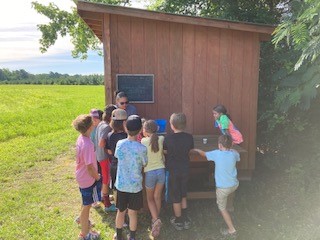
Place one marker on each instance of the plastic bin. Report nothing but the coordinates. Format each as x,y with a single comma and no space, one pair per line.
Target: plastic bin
162,123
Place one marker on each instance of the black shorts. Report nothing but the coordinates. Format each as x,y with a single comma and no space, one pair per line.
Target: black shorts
113,172
178,183
133,201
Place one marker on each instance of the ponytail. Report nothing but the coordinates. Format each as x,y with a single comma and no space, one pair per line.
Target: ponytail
151,127
154,143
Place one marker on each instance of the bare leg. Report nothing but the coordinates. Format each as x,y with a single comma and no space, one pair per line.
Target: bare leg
84,219
120,218
227,218
104,189
151,203
133,217
177,209
158,196
184,203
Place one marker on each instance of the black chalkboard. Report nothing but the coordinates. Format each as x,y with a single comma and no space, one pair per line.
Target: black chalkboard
138,87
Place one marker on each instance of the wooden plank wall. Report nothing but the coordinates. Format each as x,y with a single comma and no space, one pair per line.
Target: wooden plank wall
195,68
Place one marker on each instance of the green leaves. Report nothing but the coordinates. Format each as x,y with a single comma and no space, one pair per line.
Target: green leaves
63,23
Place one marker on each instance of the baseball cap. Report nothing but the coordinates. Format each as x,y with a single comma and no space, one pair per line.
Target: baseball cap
134,123
119,114
94,113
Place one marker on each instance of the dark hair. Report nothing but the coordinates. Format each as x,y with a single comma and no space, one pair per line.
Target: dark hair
117,125
120,95
133,133
151,127
108,112
178,120
221,109
225,141
100,112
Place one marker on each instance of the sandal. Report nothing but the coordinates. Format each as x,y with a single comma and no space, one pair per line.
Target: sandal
77,221
156,226
92,235
226,233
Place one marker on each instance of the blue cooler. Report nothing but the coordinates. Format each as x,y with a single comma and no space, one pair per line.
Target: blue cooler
162,123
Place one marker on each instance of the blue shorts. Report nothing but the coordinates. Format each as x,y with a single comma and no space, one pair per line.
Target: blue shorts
91,194
155,177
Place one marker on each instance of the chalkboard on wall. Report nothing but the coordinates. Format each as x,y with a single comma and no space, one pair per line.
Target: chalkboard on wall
138,87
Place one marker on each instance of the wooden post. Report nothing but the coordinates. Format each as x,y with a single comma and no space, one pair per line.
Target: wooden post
108,84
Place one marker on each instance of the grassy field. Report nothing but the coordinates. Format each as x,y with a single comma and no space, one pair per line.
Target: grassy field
39,198
36,175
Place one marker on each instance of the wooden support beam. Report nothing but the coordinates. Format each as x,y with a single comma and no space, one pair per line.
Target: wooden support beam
107,59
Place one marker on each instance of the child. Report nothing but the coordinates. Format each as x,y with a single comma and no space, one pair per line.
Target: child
103,129
117,133
225,176
177,147
140,136
132,157
96,115
223,122
86,174
154,172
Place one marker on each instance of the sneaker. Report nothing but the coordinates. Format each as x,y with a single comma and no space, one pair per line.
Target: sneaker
92,235
95,205
176,225
156,226
187,223
115,237
77,221
225,232
111,208
129,238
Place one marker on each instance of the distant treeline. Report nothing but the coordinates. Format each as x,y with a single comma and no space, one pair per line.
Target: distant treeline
23,77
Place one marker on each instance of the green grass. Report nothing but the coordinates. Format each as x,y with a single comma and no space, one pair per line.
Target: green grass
39,197
35,129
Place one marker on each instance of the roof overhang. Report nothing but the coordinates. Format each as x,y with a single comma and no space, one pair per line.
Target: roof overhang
92,14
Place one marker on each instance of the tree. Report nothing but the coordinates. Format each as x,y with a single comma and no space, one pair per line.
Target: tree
263,11
63,23
300,33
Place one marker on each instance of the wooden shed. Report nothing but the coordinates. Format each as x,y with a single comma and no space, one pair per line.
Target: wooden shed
197,63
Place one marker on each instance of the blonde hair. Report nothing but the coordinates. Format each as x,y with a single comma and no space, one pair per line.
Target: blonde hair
178,120
82,123
151,127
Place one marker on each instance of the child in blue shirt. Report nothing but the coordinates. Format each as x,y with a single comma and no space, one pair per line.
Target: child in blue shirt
225,160
132,157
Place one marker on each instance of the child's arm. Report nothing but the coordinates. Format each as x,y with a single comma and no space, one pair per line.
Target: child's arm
198,151
93,172
102,143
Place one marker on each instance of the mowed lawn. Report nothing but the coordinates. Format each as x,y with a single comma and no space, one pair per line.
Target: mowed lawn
39,196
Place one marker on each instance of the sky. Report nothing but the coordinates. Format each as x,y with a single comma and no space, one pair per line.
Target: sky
19,42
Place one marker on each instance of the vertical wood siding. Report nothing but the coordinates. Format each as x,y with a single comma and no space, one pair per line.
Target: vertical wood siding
195,68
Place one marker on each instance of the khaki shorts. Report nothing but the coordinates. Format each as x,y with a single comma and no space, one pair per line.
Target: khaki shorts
222,196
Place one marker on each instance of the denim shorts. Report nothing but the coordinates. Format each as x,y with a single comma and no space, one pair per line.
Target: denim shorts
91,194
154,177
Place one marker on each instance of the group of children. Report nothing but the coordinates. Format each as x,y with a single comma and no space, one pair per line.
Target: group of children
115,157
